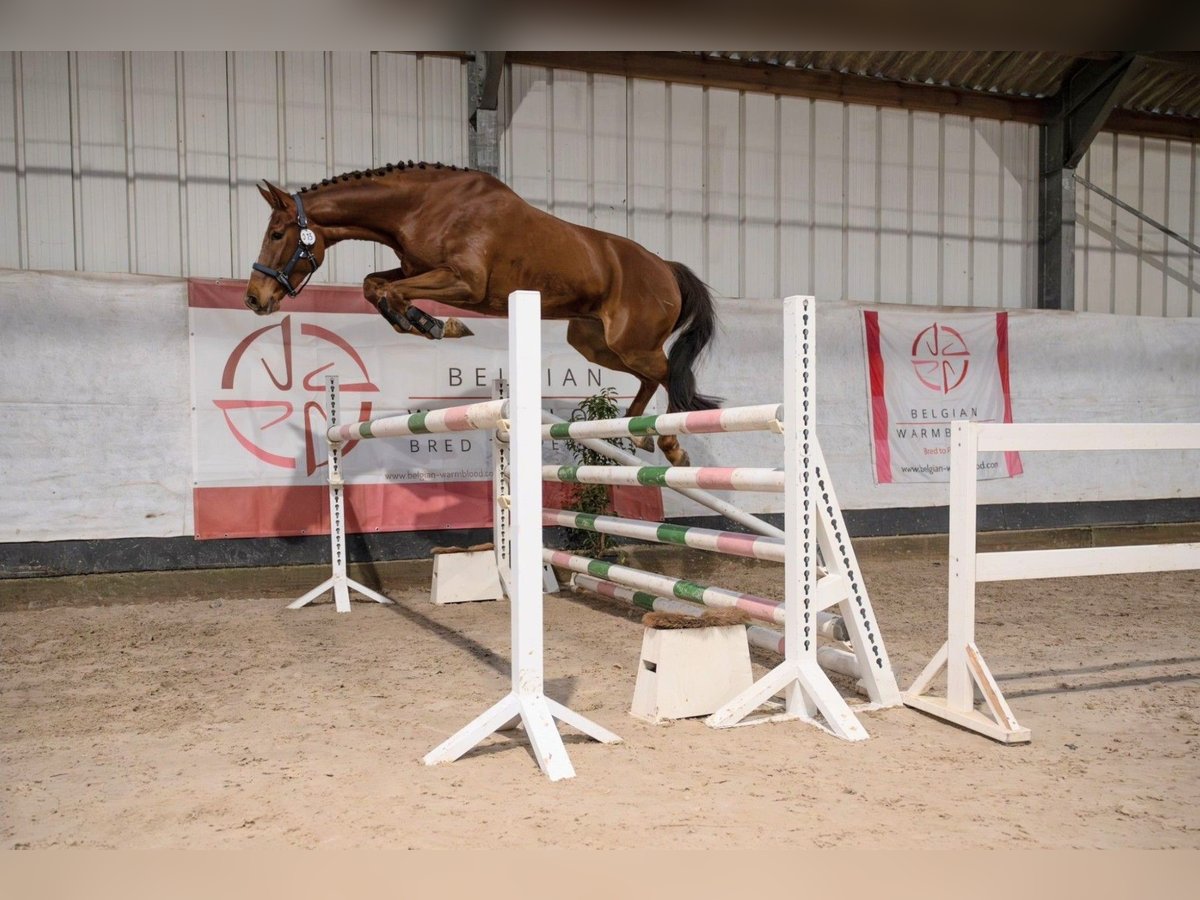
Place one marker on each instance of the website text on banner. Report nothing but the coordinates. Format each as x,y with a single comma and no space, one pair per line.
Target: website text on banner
926,369
259,417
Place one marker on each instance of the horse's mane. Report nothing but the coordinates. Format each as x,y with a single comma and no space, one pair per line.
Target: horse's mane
389,169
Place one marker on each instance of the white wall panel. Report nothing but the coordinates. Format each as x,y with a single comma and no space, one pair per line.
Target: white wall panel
609,155
99,96
925,242
255,89
1095,221
11,255
443,110
47,126
529,127
956,211
796,141
156,212
829,199
984,265
1018,203
308,150
760,197
1131,265
685,225
397,120
353,149
1180,196
146,162
862,203
1152,247
207,160
722,191
648,176
895,205
571,153
1127,182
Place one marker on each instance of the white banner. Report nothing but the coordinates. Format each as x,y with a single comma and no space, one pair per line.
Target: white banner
259,410
926,369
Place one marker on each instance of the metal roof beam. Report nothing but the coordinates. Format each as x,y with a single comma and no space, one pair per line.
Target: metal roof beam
1090,91
1079,110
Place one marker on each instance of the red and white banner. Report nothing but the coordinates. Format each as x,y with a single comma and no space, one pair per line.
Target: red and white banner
258,398
925,370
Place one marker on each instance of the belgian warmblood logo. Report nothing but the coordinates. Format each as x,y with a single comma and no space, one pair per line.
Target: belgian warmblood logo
940,358
276,446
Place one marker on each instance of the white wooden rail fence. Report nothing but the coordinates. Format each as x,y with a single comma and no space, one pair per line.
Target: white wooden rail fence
966,671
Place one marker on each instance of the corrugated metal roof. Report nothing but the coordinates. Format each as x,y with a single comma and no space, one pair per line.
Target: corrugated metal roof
1163,87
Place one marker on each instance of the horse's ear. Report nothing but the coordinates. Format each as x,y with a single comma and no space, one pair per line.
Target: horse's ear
276,197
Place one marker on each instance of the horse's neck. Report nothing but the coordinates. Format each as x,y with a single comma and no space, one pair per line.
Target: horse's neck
358,212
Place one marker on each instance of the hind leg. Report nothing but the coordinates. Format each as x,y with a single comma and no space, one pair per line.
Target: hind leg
587,336
649,364
651,367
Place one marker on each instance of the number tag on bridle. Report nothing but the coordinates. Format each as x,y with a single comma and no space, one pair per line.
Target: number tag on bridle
307,238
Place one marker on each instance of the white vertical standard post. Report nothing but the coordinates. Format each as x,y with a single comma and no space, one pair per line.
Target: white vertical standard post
340,583
965,668
526,699
501,494
806,688
964,492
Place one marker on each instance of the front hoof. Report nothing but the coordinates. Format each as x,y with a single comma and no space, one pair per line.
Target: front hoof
681,459
454,328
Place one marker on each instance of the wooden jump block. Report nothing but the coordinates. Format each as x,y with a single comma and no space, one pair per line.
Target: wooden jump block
465,577
690,671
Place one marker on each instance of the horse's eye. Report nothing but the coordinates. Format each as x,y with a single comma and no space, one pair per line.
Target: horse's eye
277,235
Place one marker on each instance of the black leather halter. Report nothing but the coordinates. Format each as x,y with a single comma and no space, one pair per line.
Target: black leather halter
304,245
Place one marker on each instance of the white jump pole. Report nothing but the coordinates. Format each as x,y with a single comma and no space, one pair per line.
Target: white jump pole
526,700
339,582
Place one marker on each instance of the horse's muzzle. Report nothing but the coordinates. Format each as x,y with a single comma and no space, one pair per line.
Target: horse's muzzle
253,303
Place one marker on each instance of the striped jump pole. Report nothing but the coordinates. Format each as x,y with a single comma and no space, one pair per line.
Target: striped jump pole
731,542
830,627
767,417
663,585
832,658
711,501
471,417
716,478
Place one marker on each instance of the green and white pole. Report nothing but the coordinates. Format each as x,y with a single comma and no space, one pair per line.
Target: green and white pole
730,542
713,478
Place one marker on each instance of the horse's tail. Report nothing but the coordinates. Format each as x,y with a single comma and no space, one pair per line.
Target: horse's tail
698,322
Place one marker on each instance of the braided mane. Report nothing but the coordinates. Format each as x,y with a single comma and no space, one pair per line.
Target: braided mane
389,169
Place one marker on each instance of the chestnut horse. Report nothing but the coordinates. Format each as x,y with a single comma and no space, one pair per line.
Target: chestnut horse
467,240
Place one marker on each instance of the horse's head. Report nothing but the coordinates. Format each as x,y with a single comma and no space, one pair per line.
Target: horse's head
292,249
